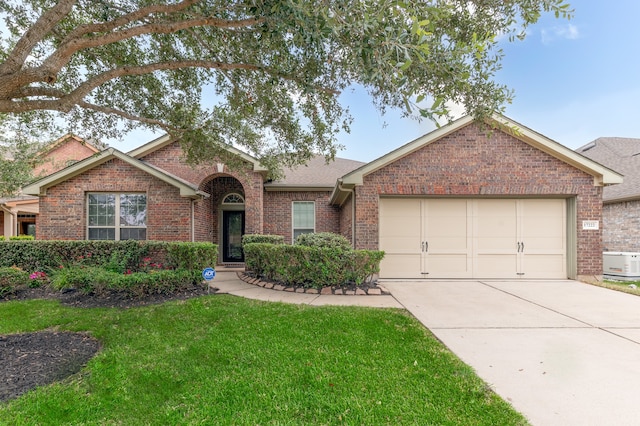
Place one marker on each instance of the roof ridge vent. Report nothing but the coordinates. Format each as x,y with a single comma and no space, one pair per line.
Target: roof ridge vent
588,146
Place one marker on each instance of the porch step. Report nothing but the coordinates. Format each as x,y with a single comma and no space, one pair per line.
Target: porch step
230,267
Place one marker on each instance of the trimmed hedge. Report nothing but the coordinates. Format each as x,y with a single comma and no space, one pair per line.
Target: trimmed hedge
94,280
116,256
262,238
311,266
324,239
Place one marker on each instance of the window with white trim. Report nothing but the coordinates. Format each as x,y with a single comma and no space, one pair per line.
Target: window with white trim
116,216
303,218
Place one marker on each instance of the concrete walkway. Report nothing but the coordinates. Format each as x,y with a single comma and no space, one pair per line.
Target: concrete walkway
229,283
562,352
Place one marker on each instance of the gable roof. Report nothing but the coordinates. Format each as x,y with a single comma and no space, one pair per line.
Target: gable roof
64,139
165,140
40,187
317,173
601,174
622,155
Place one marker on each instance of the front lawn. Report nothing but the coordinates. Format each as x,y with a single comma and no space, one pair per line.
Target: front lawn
631,287
226,360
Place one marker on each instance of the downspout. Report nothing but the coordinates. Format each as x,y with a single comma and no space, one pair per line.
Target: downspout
353,212
193,216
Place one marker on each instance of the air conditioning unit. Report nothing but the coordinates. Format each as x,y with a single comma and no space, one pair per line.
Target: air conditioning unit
621,265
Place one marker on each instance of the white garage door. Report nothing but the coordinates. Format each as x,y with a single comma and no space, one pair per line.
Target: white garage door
473,238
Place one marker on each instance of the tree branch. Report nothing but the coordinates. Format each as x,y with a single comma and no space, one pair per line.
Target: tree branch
127,116
60,57
34,35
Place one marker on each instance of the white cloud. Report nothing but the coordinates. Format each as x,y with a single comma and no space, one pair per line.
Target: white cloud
567,32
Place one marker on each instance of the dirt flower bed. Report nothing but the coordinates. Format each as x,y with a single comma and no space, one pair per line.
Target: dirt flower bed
29,360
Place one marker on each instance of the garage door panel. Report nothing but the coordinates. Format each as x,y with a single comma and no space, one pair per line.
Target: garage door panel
544,266
540,243
496,266
400,266
400,244
449,266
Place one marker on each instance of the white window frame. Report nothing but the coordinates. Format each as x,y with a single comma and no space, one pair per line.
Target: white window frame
293,224
117,227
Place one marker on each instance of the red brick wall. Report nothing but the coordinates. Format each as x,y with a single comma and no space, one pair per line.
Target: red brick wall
277,212
471,163
170,159
346,219
621,226
63,208
57,159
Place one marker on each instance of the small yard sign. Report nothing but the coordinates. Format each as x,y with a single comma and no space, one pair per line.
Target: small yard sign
590,224
208,274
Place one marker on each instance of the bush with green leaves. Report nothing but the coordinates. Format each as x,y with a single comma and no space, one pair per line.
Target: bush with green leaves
21,238
262,238
117,256
311,266
324,240
191,256
11,279
94,280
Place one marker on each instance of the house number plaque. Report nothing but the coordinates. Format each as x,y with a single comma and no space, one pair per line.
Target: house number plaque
590,224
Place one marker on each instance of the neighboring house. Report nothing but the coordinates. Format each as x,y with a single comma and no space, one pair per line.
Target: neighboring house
621,209
465,201
18,215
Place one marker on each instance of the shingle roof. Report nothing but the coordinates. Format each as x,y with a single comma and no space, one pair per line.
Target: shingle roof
316,173
621,155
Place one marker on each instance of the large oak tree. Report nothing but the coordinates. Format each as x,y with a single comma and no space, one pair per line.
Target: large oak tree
262,75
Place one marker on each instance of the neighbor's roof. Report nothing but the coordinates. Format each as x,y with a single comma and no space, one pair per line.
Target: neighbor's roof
64,139
39,187
622,155
317,173
601,174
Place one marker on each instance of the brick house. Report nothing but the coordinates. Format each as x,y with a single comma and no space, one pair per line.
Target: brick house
18,214
464,201
621,203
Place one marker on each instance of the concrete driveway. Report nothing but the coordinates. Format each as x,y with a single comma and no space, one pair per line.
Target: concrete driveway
562,352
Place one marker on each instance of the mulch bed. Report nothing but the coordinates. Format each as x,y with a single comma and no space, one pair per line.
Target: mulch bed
29,360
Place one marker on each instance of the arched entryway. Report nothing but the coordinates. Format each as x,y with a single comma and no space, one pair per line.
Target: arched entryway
221,217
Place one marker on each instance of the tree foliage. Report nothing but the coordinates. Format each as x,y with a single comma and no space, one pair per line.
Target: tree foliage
262,75
17,160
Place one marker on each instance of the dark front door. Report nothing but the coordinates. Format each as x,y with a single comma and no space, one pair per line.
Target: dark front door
232,231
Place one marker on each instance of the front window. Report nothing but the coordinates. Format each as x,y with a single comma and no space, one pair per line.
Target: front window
304,218
117,216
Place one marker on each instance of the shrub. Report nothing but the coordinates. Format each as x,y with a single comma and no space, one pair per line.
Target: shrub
21,238
311,266
95,280
324,240
260,238
191,256
117,256
11,279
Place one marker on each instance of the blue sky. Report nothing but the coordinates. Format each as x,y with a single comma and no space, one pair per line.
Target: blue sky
574,81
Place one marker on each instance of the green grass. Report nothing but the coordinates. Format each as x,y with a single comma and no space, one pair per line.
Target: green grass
621,286
230,361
